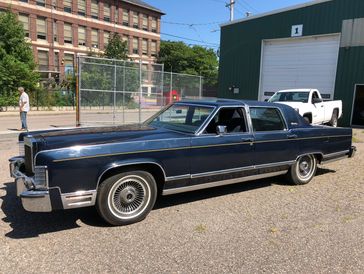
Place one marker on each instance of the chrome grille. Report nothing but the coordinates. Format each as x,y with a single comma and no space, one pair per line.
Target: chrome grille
28,159
21,149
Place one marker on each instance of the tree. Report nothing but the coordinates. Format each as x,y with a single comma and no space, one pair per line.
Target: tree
116,48
16,60
195,60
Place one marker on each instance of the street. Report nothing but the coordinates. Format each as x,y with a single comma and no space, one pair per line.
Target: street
252,227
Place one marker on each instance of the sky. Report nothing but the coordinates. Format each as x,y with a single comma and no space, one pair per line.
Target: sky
198,20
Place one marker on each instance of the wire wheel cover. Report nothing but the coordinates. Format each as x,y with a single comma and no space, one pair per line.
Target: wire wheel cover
306,167
129,197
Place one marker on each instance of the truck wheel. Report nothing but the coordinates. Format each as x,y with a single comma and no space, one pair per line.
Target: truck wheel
333,121
303,170
127,197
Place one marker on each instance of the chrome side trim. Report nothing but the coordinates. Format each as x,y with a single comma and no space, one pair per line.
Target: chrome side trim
221,183
179,177
129,164
78,199
333,157
225,171
340,153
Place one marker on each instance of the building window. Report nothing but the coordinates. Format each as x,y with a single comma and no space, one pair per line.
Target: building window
40,3
55,32
145,22
24,19
56,61
81,6
42,60
145,47
153,48
24,1
126,40
107,12
81,36
125,17
68,63
106,38
116,15
135,20
94,38
154,24
68,33
67,6
41,28
135,45
95,9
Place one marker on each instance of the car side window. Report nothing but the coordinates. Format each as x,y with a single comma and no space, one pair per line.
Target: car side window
233,118
314,96
266,119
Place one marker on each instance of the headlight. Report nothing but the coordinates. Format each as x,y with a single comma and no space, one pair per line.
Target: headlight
40,177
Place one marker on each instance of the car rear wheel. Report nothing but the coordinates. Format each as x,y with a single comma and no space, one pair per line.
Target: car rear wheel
127,197
333,121
303,170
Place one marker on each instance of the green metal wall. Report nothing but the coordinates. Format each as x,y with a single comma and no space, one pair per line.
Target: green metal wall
240,52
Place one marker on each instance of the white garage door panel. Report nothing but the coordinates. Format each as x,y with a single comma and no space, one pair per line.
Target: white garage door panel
299,63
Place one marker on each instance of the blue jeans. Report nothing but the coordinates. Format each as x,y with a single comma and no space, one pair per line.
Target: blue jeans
23,118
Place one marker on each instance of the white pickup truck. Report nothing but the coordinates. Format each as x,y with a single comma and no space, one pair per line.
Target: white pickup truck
309,103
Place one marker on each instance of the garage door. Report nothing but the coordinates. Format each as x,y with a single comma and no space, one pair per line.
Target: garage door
299,63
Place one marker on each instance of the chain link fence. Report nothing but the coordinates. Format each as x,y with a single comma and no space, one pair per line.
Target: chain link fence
123,92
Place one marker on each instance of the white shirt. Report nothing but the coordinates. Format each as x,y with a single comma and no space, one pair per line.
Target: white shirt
24,98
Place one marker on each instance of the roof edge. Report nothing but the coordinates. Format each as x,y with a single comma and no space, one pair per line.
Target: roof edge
145,7
298,6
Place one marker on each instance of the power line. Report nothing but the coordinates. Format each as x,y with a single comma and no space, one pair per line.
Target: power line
193,24
193,40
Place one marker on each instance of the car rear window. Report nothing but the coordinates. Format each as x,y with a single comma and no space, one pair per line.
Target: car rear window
266,119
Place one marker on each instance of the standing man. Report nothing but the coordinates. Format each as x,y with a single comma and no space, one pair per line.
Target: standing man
23,108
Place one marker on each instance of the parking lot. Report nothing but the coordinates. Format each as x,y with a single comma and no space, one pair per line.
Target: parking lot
259,226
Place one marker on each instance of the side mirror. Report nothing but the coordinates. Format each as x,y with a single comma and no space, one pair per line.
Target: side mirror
316,100
221,130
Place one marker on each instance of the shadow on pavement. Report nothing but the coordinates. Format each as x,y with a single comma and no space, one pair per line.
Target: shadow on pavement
27,225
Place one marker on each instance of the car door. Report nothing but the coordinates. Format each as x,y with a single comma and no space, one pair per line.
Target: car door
216,157
318,115
274,143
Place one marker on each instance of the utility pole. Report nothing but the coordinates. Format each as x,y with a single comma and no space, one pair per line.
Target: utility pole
231,7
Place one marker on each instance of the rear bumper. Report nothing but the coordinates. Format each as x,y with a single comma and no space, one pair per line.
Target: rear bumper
352,151
33,200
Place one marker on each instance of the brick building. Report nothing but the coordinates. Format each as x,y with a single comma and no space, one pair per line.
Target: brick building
58,30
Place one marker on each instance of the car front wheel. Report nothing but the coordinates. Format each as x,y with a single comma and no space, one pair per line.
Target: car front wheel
127,197
303,170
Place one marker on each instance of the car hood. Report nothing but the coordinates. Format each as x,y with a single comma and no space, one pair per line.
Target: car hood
100,135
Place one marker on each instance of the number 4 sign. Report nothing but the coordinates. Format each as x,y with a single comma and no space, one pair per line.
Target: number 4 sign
297,30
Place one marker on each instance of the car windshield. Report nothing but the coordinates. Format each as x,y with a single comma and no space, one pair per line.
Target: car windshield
291,96
184,118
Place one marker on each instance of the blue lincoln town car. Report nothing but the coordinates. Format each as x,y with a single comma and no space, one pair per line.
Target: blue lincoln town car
186,146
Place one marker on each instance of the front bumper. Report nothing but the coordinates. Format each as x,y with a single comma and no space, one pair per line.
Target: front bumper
32,199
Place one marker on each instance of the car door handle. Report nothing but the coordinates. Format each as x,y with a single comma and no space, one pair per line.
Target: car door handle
247,140
292,136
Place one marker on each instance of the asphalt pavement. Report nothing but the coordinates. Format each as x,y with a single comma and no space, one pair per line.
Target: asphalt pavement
252,227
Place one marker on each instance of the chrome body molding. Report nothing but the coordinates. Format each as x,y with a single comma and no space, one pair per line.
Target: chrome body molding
78,199
221,183
179,177
333,157
113,166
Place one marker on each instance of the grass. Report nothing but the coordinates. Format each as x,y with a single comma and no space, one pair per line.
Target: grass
201,228
356,140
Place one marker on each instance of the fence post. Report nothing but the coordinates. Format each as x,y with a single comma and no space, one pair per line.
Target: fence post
78,122
124,94
140,91
162,80
200,91
114,108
